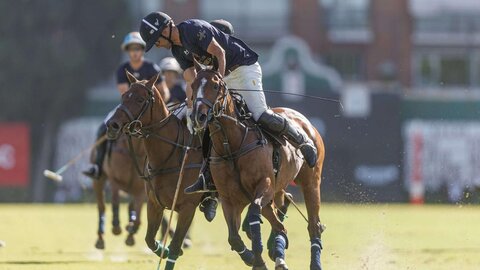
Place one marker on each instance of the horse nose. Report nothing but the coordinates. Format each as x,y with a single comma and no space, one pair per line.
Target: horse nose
113,129
113,125
202,117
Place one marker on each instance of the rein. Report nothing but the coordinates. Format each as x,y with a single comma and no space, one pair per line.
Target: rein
136,129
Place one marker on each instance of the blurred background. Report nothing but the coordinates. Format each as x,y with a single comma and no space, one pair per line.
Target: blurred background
406,71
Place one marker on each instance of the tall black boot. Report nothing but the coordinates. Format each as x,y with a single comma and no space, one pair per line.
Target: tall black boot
95,171
204,182
280,126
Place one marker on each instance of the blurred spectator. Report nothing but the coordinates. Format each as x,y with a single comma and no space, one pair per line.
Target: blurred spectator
172,72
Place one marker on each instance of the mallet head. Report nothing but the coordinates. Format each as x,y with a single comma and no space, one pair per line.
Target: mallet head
53,175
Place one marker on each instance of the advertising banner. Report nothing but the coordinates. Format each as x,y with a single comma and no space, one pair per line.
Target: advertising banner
441,155
14,155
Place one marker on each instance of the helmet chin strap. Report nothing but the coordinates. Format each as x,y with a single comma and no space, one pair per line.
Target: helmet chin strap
169,38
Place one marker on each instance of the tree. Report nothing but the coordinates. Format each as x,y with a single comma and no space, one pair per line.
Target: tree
51,52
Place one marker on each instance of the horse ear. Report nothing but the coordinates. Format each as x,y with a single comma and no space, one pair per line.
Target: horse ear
197,65
152,81
130,77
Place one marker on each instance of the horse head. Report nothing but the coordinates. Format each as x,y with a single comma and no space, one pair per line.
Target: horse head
132,112
209,96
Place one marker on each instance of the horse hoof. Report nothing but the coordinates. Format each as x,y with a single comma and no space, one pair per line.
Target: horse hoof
263,267
187,243
100,244
130,241
117,230
280,264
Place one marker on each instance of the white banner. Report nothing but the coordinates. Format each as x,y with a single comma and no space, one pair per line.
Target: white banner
441,154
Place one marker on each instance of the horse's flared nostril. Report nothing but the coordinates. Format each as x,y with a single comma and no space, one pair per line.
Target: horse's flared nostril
202,118
113,125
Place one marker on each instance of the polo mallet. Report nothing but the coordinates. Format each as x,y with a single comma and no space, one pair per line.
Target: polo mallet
174,203
57,175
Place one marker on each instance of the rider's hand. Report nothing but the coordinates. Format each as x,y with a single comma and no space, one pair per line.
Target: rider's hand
189,120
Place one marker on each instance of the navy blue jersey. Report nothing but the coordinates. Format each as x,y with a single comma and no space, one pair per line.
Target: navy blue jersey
145,72
196,35
183,56
177,93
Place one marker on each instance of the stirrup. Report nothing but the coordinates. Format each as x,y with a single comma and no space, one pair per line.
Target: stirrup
200,186
93,172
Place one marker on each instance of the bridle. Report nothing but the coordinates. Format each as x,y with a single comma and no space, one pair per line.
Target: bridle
216,109
135,126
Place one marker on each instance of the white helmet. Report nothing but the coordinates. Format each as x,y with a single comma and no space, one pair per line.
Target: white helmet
170,64
132,38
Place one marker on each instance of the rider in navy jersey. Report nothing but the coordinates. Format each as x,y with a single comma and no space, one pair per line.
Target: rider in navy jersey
142,69
238,65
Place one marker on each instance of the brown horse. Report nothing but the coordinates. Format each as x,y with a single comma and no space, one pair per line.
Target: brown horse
243,171
119,170
143,113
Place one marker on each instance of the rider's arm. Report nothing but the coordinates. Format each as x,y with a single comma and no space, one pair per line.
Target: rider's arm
189,75
122,88
216,50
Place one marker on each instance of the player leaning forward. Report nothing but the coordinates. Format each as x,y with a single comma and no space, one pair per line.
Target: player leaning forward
236,62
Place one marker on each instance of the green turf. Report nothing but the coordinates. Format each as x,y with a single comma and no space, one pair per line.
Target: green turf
357,237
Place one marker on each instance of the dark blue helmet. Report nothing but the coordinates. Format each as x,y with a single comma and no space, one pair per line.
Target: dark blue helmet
152,26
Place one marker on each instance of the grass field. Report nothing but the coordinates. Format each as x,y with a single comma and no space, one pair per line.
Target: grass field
357,237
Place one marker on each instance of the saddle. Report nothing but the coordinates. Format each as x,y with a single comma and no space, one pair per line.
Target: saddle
245,116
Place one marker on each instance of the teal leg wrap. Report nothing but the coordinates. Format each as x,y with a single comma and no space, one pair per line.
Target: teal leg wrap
171,260
159,249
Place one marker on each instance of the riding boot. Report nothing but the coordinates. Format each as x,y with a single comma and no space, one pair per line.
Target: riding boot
204,182
280,126
95,171
209,206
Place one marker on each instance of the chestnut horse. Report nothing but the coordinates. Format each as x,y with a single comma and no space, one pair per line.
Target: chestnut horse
118,168
143,113
243,171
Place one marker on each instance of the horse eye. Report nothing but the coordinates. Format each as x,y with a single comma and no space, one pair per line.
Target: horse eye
139,100
216,86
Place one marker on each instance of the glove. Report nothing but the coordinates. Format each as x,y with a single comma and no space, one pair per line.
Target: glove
189,120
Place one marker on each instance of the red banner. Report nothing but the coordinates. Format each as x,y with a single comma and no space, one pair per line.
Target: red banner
14,155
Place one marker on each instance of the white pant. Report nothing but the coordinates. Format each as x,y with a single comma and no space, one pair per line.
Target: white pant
249,78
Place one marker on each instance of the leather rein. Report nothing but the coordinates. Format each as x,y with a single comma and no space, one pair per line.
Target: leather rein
135,128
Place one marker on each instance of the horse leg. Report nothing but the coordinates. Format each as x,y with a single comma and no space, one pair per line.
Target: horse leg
280,240
185,217
116,229
98,187
134,212
233,218
283,203
164,228
154,219
254,219
311,193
